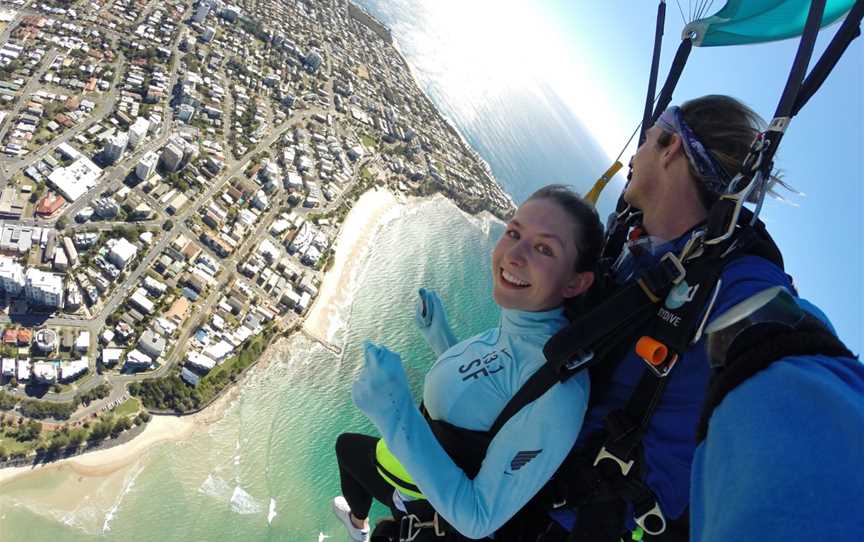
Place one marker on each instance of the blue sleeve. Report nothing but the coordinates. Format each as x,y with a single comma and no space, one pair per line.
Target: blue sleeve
782,460
745,277
523,456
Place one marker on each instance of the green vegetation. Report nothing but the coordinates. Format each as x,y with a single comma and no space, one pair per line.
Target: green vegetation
368,141
129,407
171,393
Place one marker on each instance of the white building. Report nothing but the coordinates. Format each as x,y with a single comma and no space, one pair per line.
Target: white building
44,289
23,370
11,276
115,146
45,372
8,367
71,251
137,360
82,343
138,131
122,252
73,369
140,301
147,165
76,179
199,361
110,356
260,200
172,156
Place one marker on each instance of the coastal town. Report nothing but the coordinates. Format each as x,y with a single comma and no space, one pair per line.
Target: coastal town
173,177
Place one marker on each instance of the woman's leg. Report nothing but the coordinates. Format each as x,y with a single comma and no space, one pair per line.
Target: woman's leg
361,482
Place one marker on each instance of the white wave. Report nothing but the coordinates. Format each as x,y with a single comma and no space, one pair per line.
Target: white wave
215,487
272,513
128,484
244,503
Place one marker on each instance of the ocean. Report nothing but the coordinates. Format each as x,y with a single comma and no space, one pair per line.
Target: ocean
267,471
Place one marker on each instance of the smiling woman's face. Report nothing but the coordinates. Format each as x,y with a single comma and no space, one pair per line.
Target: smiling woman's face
533,264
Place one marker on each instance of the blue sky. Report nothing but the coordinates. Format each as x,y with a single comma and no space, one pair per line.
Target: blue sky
607,45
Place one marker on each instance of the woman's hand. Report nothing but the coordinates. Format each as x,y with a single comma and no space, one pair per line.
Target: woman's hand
431,320
381,389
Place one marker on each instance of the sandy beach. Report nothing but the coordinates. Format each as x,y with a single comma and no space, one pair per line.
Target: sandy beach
352,243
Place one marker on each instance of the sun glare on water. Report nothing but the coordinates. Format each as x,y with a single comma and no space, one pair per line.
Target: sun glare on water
490,47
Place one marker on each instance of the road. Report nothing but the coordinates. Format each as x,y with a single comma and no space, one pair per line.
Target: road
28,90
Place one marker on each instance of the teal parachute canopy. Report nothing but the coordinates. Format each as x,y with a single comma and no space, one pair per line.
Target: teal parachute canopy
741,22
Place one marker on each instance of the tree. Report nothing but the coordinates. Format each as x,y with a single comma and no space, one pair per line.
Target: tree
61,223
168,225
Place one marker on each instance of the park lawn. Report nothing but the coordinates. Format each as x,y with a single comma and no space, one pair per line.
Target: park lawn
130,407
368,141
10,445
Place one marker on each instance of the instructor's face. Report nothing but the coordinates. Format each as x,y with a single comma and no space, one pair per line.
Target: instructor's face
645,171
533,263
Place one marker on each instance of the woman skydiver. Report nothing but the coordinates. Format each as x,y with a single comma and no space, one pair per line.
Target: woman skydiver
545,256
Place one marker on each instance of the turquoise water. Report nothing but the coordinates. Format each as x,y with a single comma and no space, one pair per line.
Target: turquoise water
275,441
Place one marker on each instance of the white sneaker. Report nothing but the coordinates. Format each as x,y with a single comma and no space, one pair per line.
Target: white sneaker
343,512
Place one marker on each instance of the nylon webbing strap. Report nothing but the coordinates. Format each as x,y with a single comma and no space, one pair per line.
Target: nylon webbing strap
849,30
678,63
652,78
539,383
626,427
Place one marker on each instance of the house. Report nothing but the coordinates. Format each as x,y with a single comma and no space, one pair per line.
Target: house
23,370
82,343
45,372
152,344
137,360
177,312
8,367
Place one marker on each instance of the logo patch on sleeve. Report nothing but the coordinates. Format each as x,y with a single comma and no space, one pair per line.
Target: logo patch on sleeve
523,458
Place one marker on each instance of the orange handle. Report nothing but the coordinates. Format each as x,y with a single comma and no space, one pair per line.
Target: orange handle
651,350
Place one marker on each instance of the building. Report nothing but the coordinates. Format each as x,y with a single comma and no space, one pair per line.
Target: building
152,344
201,11
111,356
49,204
12,203
313,61
82,342
8,367
122,252
45,372
137,360
71,251
185,113
139,300
208,34
70,370
199,361
138,131
115,147
23,370
44,289
45,341
147,165
189,377
231,13
172,156
11,276
76,179
177,312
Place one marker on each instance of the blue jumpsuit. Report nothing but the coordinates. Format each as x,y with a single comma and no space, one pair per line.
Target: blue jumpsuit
468,386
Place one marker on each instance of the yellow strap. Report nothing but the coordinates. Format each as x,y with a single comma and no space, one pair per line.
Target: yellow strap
594,194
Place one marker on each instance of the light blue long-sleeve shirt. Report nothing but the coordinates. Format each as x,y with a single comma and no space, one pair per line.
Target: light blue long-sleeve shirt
468,386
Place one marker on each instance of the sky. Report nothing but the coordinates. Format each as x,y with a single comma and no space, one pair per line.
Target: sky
596,56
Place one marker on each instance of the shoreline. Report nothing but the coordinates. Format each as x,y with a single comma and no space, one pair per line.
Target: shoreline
352,242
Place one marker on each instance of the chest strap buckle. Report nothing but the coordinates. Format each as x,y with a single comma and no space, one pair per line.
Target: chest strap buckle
625,466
